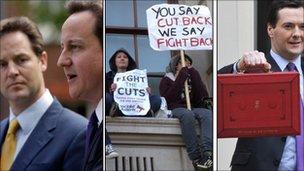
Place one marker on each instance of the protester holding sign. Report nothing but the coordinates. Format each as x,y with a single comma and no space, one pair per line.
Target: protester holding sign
120,62
172,88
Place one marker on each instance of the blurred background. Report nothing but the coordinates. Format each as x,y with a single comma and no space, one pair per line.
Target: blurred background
49,16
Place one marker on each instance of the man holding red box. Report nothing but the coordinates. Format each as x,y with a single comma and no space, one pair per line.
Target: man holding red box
285,27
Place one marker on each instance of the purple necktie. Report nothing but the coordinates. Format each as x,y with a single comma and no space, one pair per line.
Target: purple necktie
291,67
300,138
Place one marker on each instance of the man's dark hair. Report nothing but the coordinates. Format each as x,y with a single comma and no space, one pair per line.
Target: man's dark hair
277,5
26,26
95,7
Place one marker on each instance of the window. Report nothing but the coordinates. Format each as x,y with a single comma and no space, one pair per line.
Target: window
129,31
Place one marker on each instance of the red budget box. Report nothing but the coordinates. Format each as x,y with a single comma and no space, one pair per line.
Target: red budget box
254,105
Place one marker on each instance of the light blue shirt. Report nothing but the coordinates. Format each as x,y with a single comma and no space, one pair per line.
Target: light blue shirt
29,118
289,160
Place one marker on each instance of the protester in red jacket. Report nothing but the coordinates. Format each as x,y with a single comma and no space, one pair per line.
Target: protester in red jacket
172,88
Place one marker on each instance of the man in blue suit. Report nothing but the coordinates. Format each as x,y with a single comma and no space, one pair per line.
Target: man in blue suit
39,133
81,59
285,27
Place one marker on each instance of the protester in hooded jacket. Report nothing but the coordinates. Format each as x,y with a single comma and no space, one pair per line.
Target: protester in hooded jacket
172,88
121,61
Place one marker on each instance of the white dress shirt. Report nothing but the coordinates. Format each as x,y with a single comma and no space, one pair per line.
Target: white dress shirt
29,118
98,112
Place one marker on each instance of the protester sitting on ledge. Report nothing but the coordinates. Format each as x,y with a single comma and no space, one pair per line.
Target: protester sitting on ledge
121,61
172,88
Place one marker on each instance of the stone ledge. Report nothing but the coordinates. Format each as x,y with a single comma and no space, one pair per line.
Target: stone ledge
141,125
147,131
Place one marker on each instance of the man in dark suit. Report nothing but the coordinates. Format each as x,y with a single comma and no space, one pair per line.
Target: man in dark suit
286,31
39,133
81,59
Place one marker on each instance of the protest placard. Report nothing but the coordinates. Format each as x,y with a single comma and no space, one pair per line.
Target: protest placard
131,93
179,27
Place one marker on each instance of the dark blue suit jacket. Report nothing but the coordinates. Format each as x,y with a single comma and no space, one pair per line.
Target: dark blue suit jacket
56,143
258,154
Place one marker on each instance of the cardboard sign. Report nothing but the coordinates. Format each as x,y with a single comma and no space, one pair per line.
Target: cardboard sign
179,27
131,92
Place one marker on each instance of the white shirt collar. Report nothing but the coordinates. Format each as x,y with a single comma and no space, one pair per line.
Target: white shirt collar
98,112
282,62
29,118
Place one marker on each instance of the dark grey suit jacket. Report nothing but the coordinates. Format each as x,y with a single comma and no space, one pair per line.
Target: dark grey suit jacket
56,143
258,154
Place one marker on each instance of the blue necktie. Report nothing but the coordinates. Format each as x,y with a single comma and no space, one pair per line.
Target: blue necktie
300,138
91,131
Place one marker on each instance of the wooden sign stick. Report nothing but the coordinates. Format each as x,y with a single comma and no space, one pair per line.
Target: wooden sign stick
186,83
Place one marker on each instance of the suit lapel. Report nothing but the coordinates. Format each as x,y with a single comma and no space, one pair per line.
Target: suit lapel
38,139
274,66
3,130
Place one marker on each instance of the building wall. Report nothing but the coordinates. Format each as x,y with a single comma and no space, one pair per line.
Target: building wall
236,30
